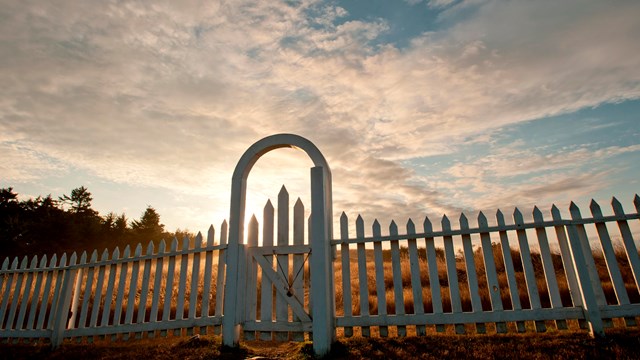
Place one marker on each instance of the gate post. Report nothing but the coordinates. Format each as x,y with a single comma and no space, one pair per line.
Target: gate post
322,293
321,232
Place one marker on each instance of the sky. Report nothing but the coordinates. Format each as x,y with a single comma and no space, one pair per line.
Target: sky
421,107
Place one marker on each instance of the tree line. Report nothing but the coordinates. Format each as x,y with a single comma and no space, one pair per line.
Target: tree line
46,225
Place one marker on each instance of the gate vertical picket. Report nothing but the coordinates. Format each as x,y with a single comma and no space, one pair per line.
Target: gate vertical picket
266,294
346,271
298,261
362,275
397,277
282,310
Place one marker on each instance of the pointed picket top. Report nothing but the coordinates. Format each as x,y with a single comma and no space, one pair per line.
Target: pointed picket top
150,248
83,258
94,256
283,196
359,220
127,252
43,262
223,232
537,215
375,227
446,224
482,220
555,213
73,258
500,218
198,240
115,254
636,203
344,226
34,262
268,206
298,205
54,261
393,228
25,261
5,263
517,217
359,227
211,235
575,211
253,221
411,227
185,243
162,247
426,225
105,255
596,211
174,244
63,260
138,251
617,206
464,222
14,264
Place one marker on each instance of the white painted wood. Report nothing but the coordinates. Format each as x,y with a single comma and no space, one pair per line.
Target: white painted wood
124,268
298,262
547,264
133,287
491,272
462,317
452,273
88,288
509,269
77,290
321,262
26,294
397,277
282,261
567,262
527,265
266,294
470,268
195,281
157,285
95,308
17,289
627,238
222,263
7,289
62,307
144,291
108,297
580,263
363,295
416,284
380,283
251,300
36,293
346,271
432,265
46,294
596,283
206,282
171,270
59,276
610,259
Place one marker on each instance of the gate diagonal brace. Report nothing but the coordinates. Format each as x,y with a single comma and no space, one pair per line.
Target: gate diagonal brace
277,279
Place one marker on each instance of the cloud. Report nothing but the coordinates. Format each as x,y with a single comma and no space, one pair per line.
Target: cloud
169,95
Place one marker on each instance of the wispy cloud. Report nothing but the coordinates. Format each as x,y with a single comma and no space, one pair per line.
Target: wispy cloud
170,95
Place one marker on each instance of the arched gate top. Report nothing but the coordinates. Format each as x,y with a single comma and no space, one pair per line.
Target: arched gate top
273,142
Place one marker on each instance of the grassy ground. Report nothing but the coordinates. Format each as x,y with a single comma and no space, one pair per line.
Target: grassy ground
622,344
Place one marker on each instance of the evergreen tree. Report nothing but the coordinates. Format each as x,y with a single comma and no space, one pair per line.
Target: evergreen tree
149,226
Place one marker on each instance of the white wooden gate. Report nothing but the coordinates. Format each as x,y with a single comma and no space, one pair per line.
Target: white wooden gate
282,268
244,258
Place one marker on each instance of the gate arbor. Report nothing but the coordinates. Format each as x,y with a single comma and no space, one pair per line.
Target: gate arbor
244,256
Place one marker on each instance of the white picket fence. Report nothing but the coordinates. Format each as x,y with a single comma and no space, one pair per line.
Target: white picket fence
429,285
118,295
425,283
